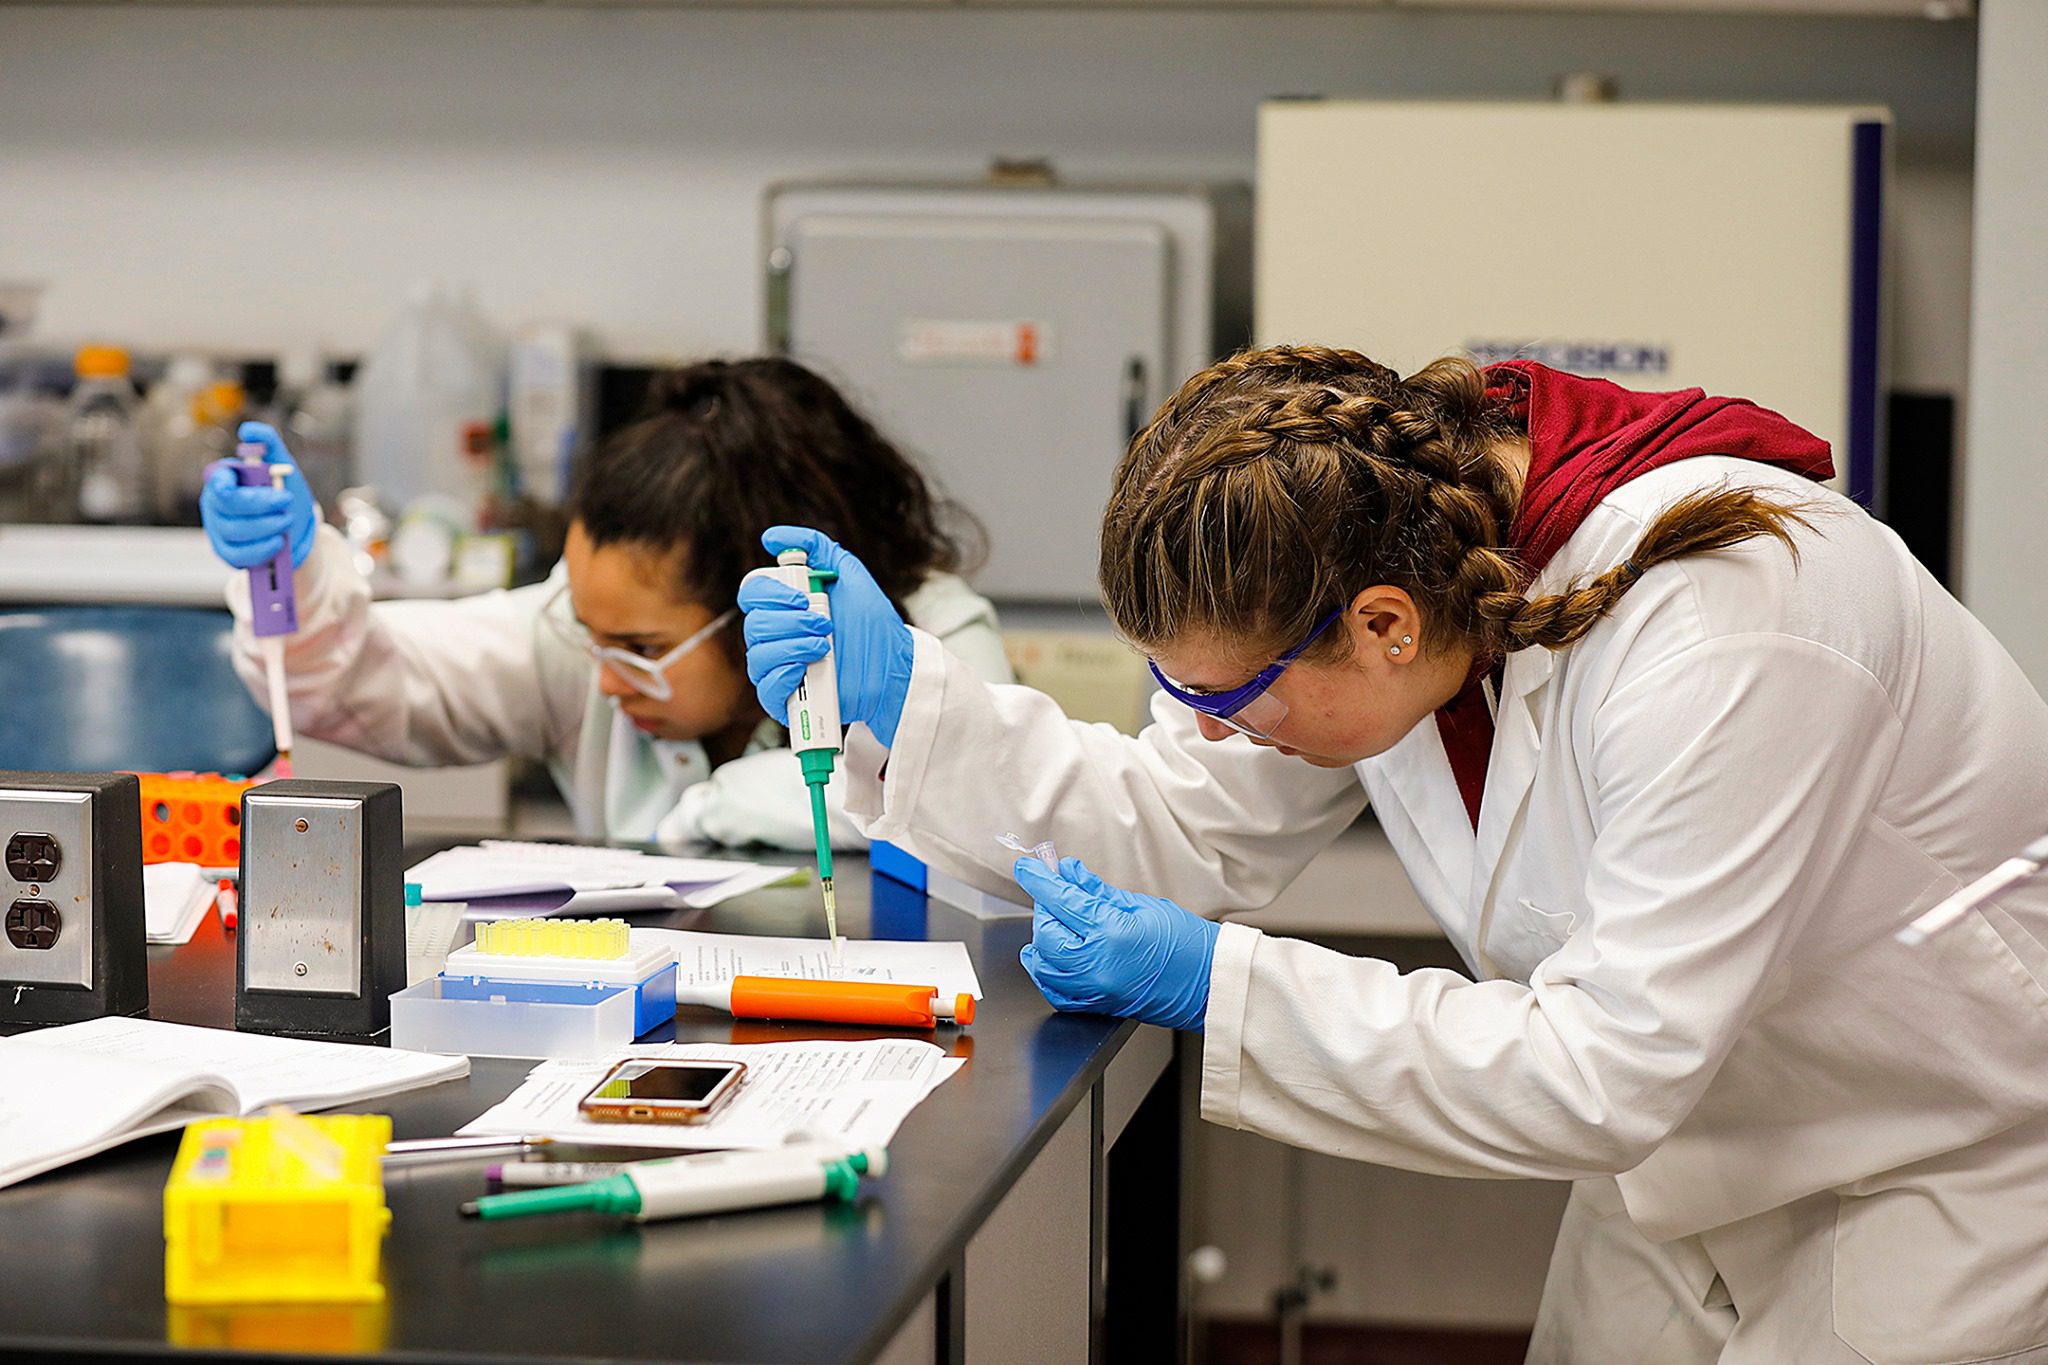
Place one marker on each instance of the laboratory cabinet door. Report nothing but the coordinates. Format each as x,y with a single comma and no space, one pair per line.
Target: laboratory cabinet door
1012,357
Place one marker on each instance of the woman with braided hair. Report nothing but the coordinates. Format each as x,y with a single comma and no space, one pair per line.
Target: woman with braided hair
623,670
1670,740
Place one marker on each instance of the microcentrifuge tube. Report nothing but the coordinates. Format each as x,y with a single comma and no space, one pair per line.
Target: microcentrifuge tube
1045,852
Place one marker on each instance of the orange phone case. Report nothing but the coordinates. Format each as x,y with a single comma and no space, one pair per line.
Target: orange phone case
619,1109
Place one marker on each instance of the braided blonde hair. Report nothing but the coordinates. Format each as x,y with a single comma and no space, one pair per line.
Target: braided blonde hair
1278,484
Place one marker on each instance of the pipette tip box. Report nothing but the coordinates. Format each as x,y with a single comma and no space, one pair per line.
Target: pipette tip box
482,1018
571,952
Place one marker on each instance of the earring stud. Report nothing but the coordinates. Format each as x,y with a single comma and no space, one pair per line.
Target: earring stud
1395,650
1407,639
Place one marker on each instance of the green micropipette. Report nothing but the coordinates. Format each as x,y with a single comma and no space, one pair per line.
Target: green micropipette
817,768
712,1182
814,730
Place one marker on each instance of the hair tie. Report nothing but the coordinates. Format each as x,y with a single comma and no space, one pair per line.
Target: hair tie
1631,568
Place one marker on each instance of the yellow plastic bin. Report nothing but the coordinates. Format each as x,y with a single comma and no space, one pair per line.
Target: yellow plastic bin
278,1209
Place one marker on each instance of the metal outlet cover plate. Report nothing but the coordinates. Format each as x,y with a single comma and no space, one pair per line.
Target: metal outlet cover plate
302,895
66,819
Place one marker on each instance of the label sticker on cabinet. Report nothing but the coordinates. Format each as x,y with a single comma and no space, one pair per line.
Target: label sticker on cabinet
941,341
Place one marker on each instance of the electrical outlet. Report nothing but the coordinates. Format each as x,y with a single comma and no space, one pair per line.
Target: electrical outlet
34,857
49,938
71,933
34,926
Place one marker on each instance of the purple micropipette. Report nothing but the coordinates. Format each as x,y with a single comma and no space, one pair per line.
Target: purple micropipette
274,606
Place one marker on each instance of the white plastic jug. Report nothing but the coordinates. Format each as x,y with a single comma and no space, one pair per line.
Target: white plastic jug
428,403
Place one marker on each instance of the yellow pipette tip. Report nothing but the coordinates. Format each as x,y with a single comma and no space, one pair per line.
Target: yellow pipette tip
601,939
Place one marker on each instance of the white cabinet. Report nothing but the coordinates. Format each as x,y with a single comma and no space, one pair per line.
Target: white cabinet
1734,247
1011,338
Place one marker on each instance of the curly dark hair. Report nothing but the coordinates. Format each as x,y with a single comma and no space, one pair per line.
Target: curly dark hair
727,448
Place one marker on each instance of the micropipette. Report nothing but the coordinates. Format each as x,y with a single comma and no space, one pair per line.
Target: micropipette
813,719
707,1182
891,1003
274,606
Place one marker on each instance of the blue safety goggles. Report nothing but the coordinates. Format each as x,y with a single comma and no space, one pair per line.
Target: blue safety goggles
1248,708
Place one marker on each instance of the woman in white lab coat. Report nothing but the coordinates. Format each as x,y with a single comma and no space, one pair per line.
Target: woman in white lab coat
1670,740
623,669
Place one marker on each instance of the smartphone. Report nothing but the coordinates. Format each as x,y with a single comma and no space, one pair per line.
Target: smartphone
662,1092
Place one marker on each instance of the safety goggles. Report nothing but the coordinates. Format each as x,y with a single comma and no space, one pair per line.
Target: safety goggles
649,677
1248,709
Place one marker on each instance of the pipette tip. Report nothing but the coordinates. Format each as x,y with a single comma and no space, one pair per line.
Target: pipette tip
284,763
831,915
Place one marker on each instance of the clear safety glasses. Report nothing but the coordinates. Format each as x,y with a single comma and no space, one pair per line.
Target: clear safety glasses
649,677
1249,709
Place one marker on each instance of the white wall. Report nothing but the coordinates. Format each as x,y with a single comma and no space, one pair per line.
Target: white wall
2005,487
251,177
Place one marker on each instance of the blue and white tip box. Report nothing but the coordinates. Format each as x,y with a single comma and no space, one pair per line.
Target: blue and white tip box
648,969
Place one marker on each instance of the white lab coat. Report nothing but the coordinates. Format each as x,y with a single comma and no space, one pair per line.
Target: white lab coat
433,683
1701,825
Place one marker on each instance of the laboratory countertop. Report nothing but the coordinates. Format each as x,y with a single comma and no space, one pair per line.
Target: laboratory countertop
81,1249
162,566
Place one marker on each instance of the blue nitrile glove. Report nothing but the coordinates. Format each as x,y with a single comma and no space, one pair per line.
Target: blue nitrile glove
1098,949
246,523
870,644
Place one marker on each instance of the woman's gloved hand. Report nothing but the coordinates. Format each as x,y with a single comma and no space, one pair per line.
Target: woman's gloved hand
1098,949
248,524
869,642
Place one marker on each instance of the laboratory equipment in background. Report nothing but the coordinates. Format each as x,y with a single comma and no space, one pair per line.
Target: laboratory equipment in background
549,402
429,397
1011,335
1734,247
105,439
1093,675
34,475
191,444
314,410
169,412
321,944
74,929
19,302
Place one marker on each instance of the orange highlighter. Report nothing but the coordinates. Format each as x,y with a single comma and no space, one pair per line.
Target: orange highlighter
832,1002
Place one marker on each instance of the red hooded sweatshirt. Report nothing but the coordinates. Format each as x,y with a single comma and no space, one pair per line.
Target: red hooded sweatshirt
1587,437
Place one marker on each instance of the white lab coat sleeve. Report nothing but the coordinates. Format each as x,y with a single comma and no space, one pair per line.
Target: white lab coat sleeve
760,798
419,683
1730,781
1215,826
